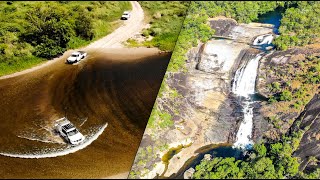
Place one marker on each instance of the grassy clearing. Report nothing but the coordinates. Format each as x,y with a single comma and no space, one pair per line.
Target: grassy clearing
19,65
166,18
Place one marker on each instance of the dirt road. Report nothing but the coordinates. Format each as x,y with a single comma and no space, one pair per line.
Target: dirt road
113,40
130,28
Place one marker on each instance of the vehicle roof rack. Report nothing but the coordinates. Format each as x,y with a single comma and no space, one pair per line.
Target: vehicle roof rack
68,126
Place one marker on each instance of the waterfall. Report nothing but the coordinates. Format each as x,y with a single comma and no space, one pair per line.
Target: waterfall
244,86
245,78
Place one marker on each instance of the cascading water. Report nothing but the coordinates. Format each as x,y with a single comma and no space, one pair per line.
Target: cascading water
244,86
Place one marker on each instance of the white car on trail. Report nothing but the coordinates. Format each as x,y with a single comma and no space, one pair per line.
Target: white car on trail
126,15
68,131
76,57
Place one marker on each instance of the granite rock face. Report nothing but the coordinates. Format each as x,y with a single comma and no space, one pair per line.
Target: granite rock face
218,56
309,145
281,67
222,26
245,33
204,111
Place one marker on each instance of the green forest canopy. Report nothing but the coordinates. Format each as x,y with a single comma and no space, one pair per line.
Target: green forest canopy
300,24
266,161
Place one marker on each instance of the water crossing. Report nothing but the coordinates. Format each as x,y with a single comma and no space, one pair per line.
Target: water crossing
49,153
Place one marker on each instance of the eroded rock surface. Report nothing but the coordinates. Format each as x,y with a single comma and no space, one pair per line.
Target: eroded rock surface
222,25
309,146
198,100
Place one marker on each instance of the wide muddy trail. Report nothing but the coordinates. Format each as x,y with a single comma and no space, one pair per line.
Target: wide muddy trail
114,86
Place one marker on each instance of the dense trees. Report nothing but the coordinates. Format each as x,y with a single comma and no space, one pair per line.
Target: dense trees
47,30
300,25
195,29
84,26
243,11
266,161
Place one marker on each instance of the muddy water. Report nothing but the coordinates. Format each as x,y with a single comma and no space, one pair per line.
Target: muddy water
111,86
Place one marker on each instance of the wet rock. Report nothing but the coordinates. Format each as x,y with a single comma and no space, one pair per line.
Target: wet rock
246,33
207,157
265,39
268,48
205,109
260,125
189,173
218,56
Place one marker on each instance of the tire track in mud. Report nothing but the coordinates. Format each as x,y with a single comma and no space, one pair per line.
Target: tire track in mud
113,86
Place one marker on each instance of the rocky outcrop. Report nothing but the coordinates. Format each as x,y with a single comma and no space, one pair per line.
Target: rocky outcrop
207,157
189,173
309,121
222,25
245,33
292,70
218,56
278,59
199,102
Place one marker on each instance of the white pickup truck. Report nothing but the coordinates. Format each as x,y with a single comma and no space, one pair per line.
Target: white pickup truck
68,131
76,57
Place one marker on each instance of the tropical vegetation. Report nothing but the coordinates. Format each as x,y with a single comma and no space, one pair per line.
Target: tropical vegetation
31,32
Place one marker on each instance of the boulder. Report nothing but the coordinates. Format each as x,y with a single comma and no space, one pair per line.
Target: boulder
189,173
207,157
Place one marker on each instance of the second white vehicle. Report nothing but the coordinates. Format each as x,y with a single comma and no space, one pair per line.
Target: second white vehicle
76,57
126,15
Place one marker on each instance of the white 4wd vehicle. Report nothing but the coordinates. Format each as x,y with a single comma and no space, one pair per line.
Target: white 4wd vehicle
68,131
125,15
76,56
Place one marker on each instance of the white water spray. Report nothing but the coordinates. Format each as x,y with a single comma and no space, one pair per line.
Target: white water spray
50,152
244,85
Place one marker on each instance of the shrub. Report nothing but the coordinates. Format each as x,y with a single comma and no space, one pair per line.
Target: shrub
286,96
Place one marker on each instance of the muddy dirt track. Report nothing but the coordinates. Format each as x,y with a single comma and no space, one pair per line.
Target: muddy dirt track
114,86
